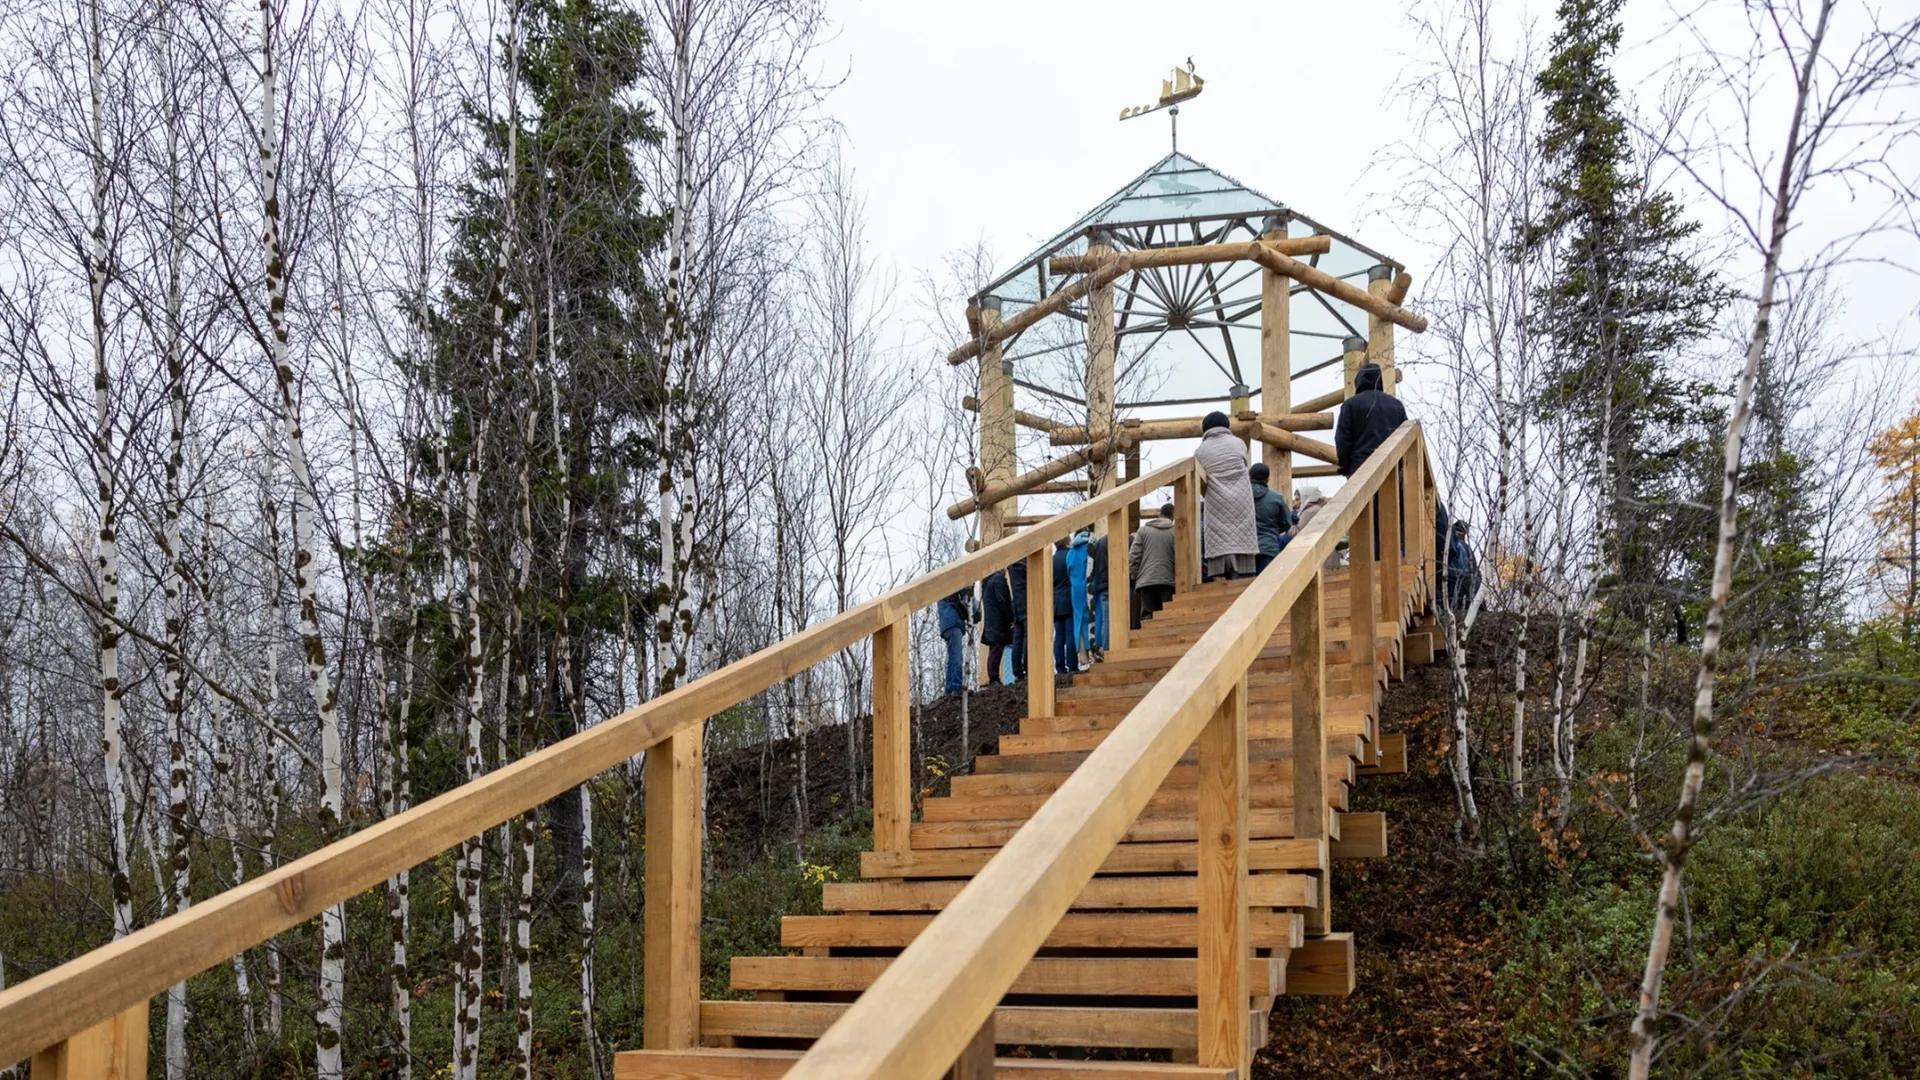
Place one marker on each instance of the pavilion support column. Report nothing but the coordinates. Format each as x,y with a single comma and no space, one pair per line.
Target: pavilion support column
1133,473
1354,354
1101,339
1380,331
998,464
1276,366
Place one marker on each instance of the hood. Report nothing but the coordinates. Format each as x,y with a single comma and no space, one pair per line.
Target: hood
1079,539
1159,523
1259,490
1367,378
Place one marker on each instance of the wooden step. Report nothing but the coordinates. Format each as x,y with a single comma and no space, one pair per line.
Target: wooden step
1160,858
1100,976
1392,760
732,1064
1340,721
1067,760
1360,836
1013,1025
1165,802
1263,891
1338,765
1261,701
1076,930
1263,823
1322,966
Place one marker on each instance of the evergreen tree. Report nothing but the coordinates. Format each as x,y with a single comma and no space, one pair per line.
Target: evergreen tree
577,376
1627,294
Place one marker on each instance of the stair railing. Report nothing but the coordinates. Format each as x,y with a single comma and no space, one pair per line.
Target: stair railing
88,1017
931,1010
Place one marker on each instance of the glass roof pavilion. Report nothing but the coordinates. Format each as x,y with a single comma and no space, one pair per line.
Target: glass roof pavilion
1187,334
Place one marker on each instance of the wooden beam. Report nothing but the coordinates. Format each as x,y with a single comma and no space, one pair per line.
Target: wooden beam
1056,302
996,492
999,459
1189,427
892,740
1323,402
1362,836
1380,330
1390,539
1322,967
1118,583
1187,255
1397,293
671,918
1276,365
1020,417
1186,534
1360,597
976,1058
1224,936
1316,278
1040,632
1101,341
1309,472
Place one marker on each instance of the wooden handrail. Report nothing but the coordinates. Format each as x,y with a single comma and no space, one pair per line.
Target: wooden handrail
920,1013
49,1008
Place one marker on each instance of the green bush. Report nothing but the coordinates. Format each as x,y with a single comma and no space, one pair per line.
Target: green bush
1799,952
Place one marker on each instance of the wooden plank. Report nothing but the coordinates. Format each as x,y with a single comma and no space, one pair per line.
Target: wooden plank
937,834
1118,585
1030,1025
1362,836
56,1004
1151,858
1309,722
671,918
892,739
114,1050
1323,966
1393,756
733,1064
1267,890
1360,581
1093,976
1165,802
1075,930
1276,366
1223,890
1418,647
929,1002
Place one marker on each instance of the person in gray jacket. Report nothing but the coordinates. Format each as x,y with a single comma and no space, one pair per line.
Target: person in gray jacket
1150,566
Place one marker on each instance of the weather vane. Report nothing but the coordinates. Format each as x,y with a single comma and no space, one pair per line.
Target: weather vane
1183,85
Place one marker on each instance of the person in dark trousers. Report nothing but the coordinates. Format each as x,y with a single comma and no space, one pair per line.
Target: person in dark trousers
996,623
956,614
1150,561
1366,420
1063,644
1017,584
1097,596
1463,571
1271,516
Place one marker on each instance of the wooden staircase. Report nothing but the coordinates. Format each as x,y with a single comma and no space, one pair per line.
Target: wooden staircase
1119,971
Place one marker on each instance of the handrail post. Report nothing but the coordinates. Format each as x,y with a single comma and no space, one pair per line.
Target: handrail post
114,1049
1360,608
671,918
1307,673
1224,944
1390,540
892,740
976,1061
1118,579
1420,523
1186,533
1040,632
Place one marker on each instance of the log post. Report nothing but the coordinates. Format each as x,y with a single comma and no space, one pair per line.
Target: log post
1100,353
892,740
1224,944
998,462
1380,331
114,1049
1133,473
1119,581
1353,354
1360,607
1276,367
1307,674
1040,633
671,918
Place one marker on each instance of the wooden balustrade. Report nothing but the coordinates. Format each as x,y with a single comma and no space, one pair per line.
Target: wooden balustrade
87,1017
924,1012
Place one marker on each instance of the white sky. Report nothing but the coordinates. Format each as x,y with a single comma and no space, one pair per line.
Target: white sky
997,121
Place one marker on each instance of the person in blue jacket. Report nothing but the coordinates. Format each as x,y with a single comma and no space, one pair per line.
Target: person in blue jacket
1077,577
956,614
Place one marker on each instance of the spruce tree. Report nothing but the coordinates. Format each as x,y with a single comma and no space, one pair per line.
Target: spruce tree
1627,295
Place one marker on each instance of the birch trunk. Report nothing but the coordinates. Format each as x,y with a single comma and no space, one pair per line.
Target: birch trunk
675,622
1681,841
327,1014
269,843
106,550
226,790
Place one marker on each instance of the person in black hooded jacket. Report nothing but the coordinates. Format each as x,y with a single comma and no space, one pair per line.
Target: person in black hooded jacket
1366,420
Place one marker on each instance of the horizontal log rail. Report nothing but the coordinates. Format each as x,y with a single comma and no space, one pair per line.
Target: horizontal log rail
94,989
922,1013
1272,254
